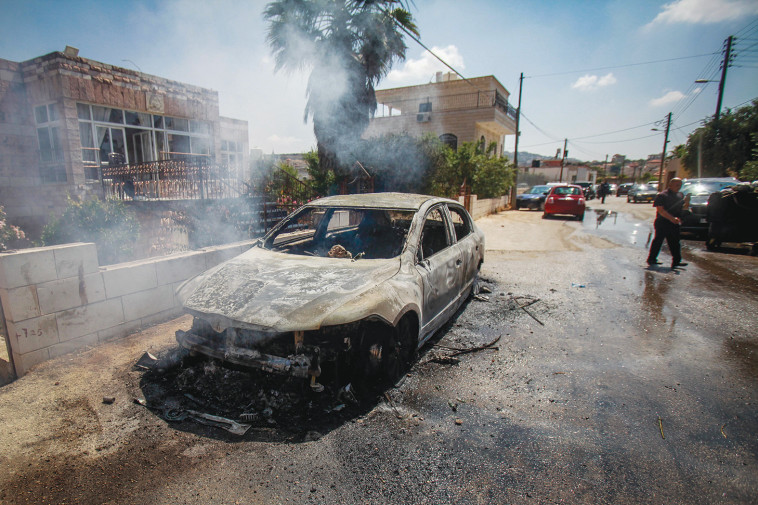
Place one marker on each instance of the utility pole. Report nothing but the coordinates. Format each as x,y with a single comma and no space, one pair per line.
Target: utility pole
724,66
663,154
605,167
515,147
700,156
563,160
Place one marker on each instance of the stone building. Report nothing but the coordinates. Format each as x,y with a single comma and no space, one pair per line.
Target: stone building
456,110
68,125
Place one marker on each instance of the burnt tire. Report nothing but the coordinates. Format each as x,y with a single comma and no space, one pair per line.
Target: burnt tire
384,358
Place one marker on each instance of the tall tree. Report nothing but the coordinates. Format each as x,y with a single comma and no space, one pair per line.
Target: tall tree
725,145
348,45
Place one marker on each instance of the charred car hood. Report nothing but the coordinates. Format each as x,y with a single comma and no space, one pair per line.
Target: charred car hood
266,290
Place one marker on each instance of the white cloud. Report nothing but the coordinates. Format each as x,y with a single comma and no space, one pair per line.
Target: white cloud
593,82
423,69
704,11
670,97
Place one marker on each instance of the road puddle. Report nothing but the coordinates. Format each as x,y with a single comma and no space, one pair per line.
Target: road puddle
618,227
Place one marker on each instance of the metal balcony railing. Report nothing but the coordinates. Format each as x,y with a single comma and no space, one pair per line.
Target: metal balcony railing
184,179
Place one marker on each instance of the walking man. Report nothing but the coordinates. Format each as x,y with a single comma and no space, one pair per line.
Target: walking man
604,189
669,207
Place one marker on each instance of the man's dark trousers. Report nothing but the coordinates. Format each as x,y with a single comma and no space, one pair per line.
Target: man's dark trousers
665,229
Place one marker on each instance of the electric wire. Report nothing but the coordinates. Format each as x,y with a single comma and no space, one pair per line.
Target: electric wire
711,68
555,139
619,66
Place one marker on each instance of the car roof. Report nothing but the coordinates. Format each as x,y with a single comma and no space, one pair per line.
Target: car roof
379,200
711,179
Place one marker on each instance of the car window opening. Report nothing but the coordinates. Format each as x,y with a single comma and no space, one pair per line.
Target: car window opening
343,233
434,234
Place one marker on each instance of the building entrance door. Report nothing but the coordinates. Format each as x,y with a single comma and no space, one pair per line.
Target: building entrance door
139,143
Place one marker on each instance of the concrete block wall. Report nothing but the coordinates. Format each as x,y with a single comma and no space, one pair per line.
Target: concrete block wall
59,299
486,206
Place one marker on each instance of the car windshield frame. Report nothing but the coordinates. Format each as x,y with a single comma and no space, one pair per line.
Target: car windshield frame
342,232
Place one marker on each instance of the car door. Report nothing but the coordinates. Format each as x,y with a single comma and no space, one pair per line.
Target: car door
467,244
438,265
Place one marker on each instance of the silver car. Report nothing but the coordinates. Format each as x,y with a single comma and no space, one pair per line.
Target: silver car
345,288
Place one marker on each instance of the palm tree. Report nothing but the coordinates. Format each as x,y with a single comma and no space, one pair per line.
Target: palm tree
349,45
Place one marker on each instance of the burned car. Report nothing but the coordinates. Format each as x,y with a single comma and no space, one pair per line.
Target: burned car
346,288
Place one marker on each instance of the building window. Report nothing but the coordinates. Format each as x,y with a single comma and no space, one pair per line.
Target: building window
425,107
52,168
115,136
231,153
450,140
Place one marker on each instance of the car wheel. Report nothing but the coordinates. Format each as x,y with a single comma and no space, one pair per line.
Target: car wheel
545,215
403,349
580,217
385,357
517,206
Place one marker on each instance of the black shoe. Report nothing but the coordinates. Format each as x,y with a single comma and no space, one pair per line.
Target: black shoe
680,264
654,262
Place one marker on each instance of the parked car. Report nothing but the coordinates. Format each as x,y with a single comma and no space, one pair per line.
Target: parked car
587,189
346,288
534,198
733,216
642,193
624,188
568,199
696,219
612,188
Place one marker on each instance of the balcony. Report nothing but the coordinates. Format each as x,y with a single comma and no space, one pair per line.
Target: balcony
466,101
192,178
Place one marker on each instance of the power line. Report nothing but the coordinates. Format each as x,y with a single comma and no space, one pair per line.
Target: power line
539,129
620,141
620,66
612,132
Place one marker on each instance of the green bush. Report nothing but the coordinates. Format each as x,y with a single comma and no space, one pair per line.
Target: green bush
109,224
8,233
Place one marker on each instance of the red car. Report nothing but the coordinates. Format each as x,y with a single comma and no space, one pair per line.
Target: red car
568,199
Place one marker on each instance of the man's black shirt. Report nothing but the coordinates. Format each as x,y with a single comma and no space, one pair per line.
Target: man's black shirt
672,202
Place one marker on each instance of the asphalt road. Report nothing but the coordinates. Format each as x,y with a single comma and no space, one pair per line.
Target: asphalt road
611,383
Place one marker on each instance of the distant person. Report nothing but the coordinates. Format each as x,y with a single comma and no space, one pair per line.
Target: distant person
602,190
669,207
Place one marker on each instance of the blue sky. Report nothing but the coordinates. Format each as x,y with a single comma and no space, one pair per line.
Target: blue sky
591,67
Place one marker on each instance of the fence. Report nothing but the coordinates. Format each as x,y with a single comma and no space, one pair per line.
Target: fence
171,180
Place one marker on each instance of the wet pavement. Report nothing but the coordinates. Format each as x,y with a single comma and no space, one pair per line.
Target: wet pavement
611,383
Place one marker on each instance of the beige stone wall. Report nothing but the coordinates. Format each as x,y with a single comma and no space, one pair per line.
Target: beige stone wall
58,299
486,206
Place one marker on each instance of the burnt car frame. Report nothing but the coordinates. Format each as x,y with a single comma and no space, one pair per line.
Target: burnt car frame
327,297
